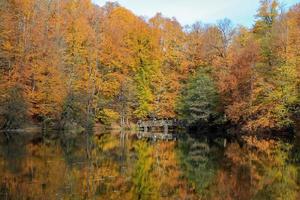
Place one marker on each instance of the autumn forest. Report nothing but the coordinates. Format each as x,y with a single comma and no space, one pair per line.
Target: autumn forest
73,61
72,64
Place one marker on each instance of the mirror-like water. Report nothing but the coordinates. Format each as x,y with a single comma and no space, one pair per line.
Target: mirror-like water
120,167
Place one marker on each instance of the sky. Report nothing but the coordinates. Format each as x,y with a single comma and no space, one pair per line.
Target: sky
189,11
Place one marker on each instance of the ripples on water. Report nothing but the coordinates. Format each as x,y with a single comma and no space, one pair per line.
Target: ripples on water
114,167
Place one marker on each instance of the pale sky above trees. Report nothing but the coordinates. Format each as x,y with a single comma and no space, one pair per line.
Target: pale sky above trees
188,11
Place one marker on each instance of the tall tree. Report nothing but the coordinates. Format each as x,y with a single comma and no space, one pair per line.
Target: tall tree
172,61
200,100
79,60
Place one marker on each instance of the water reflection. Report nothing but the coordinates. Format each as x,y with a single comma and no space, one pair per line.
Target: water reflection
117,166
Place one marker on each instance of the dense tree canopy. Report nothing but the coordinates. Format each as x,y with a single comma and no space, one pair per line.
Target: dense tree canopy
200,100
73,62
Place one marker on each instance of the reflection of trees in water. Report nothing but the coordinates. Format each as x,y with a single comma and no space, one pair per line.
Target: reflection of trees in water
199,162
274,175
39,173
260,169
74,147
13,151
111,167
168,175
157,173
111,181
144,186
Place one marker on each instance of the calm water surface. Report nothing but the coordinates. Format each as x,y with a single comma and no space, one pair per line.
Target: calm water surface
116,166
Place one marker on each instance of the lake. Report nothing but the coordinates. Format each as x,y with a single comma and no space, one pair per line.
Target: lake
119,166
